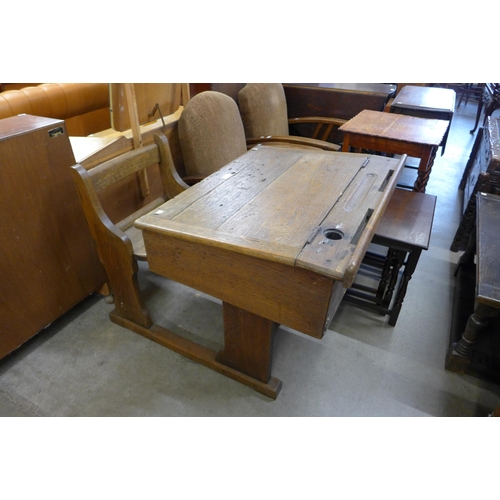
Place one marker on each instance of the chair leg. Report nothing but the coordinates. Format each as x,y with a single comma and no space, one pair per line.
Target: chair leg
121,268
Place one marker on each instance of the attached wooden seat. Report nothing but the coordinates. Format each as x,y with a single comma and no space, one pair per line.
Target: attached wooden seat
405,229
120,245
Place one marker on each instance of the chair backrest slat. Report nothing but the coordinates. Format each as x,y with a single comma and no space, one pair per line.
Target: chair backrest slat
118,168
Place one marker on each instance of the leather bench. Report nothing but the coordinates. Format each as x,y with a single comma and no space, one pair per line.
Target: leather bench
83,106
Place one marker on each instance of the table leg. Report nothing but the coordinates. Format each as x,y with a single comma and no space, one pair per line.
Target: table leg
247,342
424,169
458,357
411,265
346,143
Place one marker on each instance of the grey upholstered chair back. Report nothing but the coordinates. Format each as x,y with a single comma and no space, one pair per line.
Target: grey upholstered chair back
263,109
211,133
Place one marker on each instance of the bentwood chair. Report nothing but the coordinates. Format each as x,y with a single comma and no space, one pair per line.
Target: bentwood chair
264,113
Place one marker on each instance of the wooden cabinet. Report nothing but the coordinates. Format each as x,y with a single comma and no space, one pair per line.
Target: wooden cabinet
481,174
48,262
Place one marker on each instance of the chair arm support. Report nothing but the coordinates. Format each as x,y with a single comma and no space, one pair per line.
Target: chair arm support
317,119
322,122
293,141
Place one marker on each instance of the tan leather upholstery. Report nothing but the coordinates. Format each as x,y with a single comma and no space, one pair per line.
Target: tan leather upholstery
83,106
211,133
263,109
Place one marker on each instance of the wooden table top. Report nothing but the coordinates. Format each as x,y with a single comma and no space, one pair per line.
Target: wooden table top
488,245
425,99
372,88
287,206
397,127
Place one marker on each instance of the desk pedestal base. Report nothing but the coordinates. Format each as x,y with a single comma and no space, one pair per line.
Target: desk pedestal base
248,342
196,352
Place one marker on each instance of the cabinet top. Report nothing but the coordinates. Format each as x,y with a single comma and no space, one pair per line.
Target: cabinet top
21,124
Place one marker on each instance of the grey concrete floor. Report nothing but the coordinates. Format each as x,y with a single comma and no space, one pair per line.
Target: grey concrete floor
84,365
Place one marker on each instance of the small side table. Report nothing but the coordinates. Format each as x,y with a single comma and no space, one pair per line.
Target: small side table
397,134
426,102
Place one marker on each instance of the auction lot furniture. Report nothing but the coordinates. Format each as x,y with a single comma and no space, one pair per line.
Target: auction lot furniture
48,261
272,254
482,325
334,100
405,230
426,102
397,134
481,174
83,106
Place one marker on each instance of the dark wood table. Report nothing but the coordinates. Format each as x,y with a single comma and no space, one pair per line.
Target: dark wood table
278,235
333,100
426,102
487,287
397,134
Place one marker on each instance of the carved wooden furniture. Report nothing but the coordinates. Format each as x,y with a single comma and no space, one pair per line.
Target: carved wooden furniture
264,113
211,135
490,99
333,100
481,174
272,254
405,230
426,102
119,244
487,285
48,260
397,134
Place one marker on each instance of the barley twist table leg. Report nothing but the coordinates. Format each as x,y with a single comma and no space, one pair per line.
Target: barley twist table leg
424,170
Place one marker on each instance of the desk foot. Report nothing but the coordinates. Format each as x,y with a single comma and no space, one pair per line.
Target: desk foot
456,363
198,353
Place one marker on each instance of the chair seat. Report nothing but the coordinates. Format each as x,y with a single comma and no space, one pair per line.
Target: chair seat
137,240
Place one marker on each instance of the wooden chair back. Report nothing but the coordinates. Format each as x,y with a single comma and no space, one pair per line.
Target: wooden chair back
120,245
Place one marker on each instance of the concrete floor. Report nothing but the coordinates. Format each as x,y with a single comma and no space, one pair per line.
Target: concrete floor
84,365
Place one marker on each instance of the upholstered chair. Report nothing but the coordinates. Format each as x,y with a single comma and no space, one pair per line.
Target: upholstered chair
211,134
264,114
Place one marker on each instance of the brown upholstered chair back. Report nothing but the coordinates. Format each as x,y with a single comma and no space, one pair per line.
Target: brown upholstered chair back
263,109
211,133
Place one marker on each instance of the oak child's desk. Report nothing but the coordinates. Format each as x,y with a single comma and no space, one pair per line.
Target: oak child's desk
278,235
397,134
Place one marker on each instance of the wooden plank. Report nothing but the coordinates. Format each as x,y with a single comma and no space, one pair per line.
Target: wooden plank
397,127
199,354
488,244
276,215
345,233
287,295
107,173
236,176
136,131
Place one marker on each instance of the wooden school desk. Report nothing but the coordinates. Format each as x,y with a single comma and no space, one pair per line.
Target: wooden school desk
278,235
